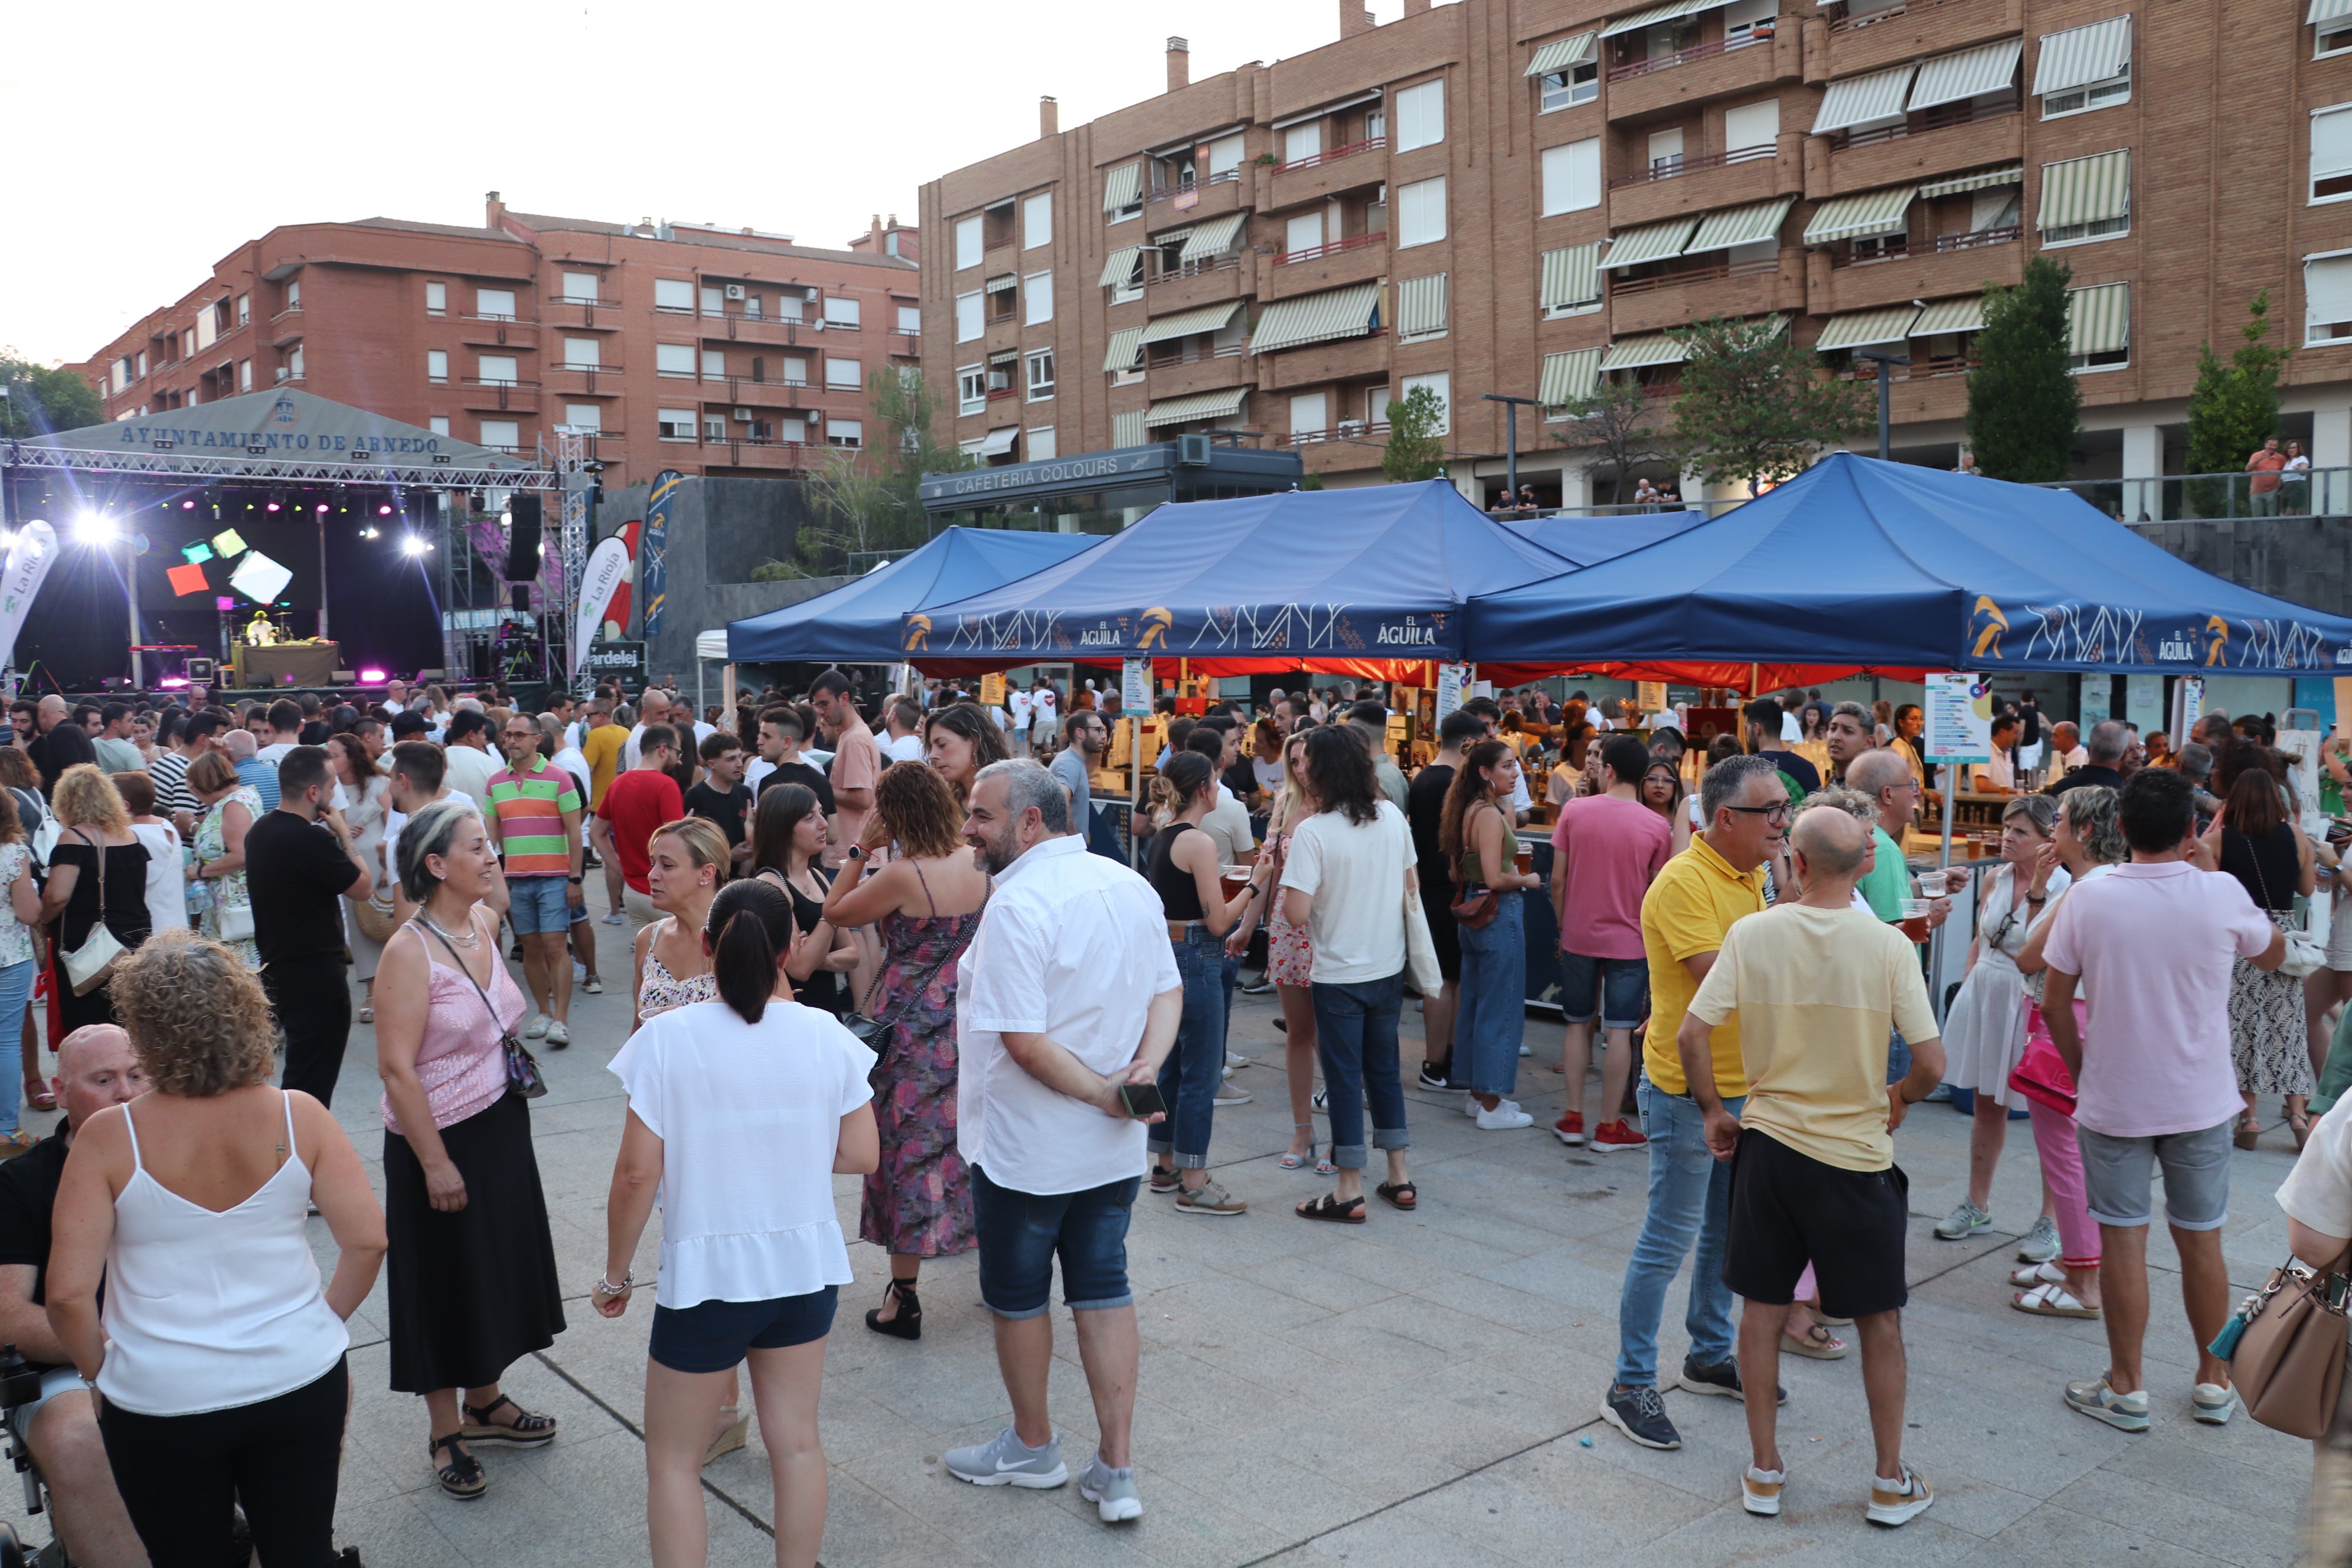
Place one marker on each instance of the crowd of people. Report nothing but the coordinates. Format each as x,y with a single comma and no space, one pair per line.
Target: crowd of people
920,955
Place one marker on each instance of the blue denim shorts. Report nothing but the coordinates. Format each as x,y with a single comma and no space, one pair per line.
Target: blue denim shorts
537,906
714,1336
1019,1234
1618,989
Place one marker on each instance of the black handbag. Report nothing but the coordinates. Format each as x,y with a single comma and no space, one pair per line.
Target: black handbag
523,1075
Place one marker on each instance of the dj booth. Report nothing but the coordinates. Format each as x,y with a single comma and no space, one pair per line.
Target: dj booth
285,664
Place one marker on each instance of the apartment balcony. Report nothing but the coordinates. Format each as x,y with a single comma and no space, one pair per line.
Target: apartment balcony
734,326
1317,364
1703,72
1197,283
1718,288
584,380
741,391
1707,182
497,331
1922,392
1327,173
1934,141
1353,446
1908,31
581,315
771,456
905,345
1953,265
1358,258
1198,367
1214,197
510,396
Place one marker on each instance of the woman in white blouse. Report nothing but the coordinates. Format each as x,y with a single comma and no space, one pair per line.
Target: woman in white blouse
740,1112
363,792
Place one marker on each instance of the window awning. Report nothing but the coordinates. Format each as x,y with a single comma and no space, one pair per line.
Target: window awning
1561,53
1655,243
1950,316
1350,313
1636,354
1127,428
1740,226
1569,376
1173,236
1000,441
1859,100
1184,324
2008,175
2321,11
1848,218
1213,237
1421,304
1000,282
1119,265
1572,277
1221,404
2085,190
1672,11
1126,351
2099,318
1123,187
1859,329
2083,55
1948,78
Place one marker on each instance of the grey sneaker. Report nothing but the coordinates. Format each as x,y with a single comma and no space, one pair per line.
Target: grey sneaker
1963,1222
2212,1403
1228,1095
1210,1199
1008,1462
1111,1491
1641,1415
2041,1242
2125,1412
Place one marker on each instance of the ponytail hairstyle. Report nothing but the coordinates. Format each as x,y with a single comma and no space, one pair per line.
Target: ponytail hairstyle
749,930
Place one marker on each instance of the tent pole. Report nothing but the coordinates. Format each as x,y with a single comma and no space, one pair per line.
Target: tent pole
1944,861
1755,680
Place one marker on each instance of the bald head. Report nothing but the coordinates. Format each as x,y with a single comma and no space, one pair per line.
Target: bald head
1830,841
2108,743
1874,771
96,1068
240,743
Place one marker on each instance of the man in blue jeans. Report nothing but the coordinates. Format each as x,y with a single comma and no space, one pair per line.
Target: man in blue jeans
1702,892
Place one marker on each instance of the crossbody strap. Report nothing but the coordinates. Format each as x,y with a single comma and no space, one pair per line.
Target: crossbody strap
419,921
938,964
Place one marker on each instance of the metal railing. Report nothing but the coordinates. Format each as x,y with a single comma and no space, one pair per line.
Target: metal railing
1332,156
1620,287
1183,187
1194,352
1331,248
1918,370
1346,430
1942,117
1762,33
1668,168
2219,498
1971,240
1198,267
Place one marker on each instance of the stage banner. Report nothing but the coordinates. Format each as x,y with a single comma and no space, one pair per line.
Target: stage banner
608,563
623,663
656,575
616,613
35,547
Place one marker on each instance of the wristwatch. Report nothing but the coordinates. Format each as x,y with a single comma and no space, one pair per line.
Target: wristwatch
856,852
575,881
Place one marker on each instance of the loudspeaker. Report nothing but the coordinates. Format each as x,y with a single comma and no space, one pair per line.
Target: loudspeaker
522,537
518,595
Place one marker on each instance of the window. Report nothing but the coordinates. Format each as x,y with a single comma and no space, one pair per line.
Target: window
437,366
1226,157
674,424
972,389
910,320
752,306
1037,298
795,370
583,415
2091,95
294,362
494,304
294,295
207,326
437,298
1747,22
1037,221
2326,299
2334,35
968,317
714,429
675,296
245,375
121,376
1577,84
674,359
244,309
791,430
1421,115
1302,141
1442,385
1421,309
2331,154
581,353
840,311
1571,177
502,435
844,433
1004,297
1309,414
714,300
2083,67
141,362
848,372
1420,212
1039,443
1752,129
968,243
714,365
580,288
2099,327
496,370
2087,198
438,424
1302,234
788,307
1041,375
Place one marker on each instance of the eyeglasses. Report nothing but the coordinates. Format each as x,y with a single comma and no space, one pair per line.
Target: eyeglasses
1769,813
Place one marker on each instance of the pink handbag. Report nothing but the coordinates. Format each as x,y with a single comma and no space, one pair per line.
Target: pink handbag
2041,1073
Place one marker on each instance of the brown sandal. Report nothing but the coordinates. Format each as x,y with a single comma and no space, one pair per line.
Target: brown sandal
1400,1194
1329,1207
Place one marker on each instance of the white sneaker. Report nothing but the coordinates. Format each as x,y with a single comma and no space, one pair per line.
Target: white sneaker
1235,1059
2212,1403
1898,1504
1470,1105
1228,1095
1228,1071
1506,1116
559,1034
1759,1490
537,1028
616,918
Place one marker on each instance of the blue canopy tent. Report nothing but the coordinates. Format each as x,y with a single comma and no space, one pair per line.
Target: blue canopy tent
879,617
1353,581
1857,563
1589,540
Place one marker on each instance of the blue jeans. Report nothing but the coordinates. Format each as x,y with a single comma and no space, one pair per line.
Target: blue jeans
1189,1077
16,991
1021,1233
1494,1007
1356,1035
1233,980
1690,1199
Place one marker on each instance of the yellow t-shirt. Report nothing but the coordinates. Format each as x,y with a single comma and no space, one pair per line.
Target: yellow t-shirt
1689,907
601,747
1815,993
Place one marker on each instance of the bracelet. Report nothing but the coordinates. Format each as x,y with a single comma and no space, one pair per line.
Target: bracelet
606,1287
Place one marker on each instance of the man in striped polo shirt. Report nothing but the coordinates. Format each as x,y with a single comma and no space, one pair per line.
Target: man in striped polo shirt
537,808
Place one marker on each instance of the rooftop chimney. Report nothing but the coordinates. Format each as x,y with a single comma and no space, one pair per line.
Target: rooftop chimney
1179,65
1049,117
1415,7
493,209
1354,18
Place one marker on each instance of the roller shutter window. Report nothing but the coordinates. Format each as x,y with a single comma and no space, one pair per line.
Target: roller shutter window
2099,327
2086,198
2331,154
2327,298
1420,307
2084,67
1421,115
1571,280
1421,212
1572,176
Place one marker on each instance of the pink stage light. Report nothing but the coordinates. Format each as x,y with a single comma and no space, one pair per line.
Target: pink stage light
273,506
187,506
383,510
322,506
371,678
173,682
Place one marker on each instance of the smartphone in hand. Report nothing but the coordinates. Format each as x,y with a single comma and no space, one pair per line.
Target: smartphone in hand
1142,1099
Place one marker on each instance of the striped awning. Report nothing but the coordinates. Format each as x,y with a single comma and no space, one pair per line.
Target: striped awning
2328,11
1221,404
1649,349
1948,78
1003,281
1561,53
1123,187
1740,226
1859,329
1655,243
1421,305
2085,190
1119,265
1858,99
1350,313
1126,428
1000,440
2099,318
1173,236
1126,351
1213,237
1185,323
2007,175
1572,277
1569,376
1672,11
1872,212
2083,55
1950,316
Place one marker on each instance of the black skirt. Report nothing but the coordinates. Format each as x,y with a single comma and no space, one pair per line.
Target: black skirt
470,1294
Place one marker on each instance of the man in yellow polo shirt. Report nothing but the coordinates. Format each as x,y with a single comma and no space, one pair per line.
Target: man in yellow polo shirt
1718,880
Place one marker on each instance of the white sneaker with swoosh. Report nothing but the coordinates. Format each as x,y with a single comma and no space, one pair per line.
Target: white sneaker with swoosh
1007,1462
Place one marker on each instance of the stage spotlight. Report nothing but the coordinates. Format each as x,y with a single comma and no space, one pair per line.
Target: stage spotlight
371,678
322,506
384,510
187,506
273,506
94,527
415,544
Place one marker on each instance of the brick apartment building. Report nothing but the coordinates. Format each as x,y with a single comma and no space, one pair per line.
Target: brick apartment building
710,351
1519,197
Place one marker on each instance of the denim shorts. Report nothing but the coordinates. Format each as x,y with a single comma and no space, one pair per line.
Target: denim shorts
1019,1234
2117,1175
1618,989
714,1336
538,907
55,1380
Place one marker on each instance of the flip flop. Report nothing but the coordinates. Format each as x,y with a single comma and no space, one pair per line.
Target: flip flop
2052,1302
2040,1274
1817,1343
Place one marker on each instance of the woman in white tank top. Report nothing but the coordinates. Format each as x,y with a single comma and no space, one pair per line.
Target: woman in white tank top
219,1358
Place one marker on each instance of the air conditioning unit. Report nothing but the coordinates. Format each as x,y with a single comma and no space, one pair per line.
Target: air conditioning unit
743,415
734,290
1192,451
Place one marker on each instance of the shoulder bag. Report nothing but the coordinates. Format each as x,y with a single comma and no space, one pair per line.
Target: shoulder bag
2303,955
2285,1347
88,965
874,1032
1420,950
1474,907
523,1075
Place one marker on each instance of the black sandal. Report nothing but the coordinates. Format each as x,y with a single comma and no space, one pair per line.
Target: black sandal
1329,1207
527,1431
462,1477
907,1323
1400,1194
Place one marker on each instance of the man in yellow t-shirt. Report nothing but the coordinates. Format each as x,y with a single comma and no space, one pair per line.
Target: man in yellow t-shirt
1718,880
601,745
1816,985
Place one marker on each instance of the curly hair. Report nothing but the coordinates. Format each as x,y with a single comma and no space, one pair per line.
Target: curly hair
921,810
212,773
16,769
198,1019
2092,812
86,797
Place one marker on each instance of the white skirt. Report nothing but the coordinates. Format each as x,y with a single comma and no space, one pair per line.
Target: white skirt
1984,1034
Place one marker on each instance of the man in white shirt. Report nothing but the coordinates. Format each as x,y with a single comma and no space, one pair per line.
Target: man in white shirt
1070,997
285,733
2066,752
658,707
396,697
1999,775
471,762
1013,720
906,723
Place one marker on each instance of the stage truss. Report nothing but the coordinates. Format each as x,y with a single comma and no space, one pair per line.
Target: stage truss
257,465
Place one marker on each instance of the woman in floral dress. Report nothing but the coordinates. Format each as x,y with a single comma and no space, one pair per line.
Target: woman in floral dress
216,880
1289,956
926,904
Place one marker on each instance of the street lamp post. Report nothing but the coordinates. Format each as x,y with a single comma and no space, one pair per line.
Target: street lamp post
1887,361
1510,437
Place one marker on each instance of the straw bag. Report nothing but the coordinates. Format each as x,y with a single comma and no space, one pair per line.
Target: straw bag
2285,1347
88,965
375,918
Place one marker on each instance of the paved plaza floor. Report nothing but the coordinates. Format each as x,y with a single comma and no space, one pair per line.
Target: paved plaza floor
1421,1391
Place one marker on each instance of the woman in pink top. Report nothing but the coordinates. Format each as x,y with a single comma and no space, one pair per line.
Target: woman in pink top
471,1286
1606,849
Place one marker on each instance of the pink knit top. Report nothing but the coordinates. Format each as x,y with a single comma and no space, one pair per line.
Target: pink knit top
462,1062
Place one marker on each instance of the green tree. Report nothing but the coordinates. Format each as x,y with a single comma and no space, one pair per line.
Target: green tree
2024,404
1621,424
1416,448
1754,409
44,398
2234,408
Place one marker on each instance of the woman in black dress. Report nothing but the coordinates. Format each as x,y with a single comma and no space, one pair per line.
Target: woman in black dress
787,841
95,827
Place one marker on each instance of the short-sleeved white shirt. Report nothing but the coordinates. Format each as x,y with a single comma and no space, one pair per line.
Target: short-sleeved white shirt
2318,1190
1355,874
1073,946
750,1120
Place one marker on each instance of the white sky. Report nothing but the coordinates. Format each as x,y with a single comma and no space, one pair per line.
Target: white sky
148,140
